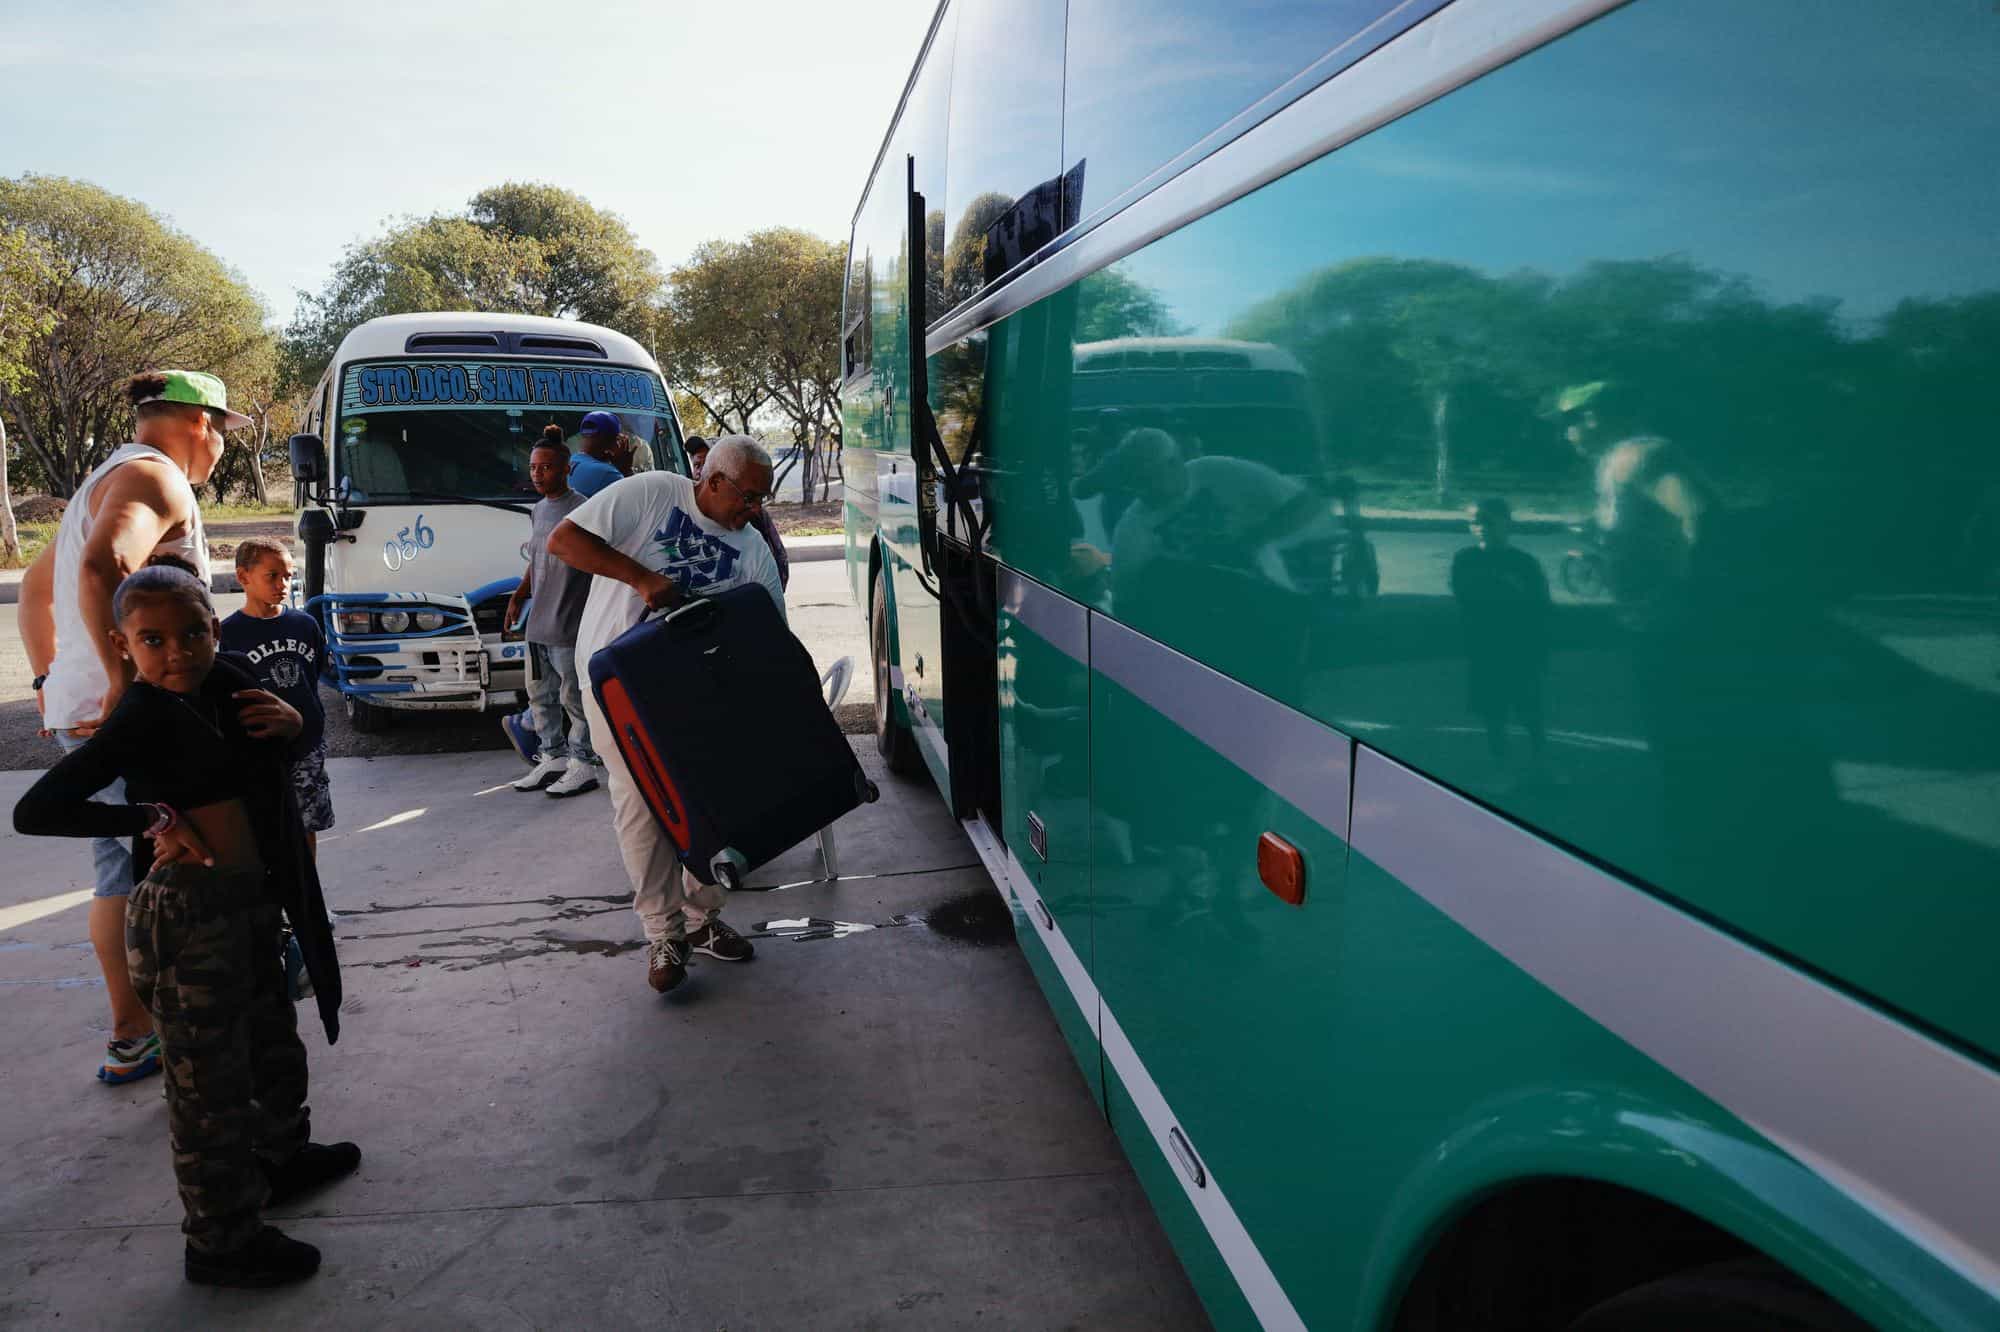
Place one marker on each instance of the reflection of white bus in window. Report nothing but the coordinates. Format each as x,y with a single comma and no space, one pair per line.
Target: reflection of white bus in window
415,529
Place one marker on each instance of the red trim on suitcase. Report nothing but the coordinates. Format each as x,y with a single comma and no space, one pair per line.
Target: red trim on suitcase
644,761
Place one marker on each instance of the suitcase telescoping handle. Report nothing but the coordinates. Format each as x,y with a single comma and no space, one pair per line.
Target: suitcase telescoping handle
696,615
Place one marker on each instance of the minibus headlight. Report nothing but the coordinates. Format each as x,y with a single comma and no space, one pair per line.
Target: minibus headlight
395,622
428,620
352,622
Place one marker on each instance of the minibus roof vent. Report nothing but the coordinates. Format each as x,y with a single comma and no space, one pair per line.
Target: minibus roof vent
451,342
553,345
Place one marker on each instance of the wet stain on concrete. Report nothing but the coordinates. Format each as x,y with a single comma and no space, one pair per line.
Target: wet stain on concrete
979,918
572,1183
541,943
455,949
564,912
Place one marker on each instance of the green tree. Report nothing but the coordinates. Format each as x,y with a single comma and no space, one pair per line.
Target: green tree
1111,304
116,290
21,270
752,327
703,343
516,249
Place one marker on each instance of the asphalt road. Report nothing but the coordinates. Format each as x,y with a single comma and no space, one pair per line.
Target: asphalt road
817,600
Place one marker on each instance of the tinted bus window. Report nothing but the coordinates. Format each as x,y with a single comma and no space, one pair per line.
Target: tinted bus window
1148,79
1660,504
922,133
1002,200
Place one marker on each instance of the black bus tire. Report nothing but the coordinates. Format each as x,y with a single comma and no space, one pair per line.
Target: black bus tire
1743,1295
893,740
365,717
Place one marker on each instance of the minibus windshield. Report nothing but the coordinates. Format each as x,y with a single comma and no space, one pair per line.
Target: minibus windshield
411,430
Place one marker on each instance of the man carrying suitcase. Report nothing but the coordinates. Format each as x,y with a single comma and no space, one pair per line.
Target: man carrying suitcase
652,542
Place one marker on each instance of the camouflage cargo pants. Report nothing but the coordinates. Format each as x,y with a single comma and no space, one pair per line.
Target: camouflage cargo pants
202,945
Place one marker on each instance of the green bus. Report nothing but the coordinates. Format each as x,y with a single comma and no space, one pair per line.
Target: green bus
1447,557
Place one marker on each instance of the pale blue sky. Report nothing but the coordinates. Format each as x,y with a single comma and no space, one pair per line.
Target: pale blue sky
275,134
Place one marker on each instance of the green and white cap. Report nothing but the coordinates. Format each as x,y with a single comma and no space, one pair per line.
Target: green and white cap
198,390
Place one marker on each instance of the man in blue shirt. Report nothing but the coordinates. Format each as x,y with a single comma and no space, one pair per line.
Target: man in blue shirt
595,467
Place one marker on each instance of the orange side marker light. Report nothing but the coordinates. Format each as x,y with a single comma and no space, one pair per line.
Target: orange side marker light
1282,868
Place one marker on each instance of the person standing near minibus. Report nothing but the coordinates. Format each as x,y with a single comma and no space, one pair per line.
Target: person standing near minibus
555,596
288,651
137,501
649,545
596,464
697,452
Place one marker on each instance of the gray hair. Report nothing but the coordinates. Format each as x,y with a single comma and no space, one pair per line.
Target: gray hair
732,451
158,581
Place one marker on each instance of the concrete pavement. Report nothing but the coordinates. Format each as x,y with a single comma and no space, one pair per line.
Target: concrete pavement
872,1126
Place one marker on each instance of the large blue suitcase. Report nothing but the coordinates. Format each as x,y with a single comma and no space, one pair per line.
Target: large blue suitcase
718,713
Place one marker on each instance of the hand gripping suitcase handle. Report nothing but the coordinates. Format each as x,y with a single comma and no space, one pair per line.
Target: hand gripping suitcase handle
696,615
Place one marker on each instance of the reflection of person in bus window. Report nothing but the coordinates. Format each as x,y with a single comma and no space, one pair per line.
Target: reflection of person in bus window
1651,501
1503,604
1356,573
1225,512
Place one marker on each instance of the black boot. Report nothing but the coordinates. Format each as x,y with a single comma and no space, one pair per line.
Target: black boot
273,1258
312,1166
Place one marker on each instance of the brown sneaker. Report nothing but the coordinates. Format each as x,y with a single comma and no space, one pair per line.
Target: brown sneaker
666,963
720,942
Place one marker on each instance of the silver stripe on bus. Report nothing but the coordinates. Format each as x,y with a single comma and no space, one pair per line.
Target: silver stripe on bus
1898,1121
1449,49
1305,761
1267,1299
1063,623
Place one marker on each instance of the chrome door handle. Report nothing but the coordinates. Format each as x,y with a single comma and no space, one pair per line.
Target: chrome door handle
1190,1163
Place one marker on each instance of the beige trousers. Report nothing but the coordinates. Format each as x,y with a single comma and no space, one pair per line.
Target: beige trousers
671,902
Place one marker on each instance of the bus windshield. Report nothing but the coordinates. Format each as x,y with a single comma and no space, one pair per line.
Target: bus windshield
428,429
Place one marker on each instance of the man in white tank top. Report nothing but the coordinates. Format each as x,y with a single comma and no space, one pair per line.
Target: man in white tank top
139,502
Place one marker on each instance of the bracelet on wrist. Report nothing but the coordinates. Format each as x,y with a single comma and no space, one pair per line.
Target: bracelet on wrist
164,818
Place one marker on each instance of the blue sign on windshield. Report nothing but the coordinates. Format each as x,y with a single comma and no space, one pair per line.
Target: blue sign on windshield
419,385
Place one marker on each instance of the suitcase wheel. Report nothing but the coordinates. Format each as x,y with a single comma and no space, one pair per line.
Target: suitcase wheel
729,867
864,790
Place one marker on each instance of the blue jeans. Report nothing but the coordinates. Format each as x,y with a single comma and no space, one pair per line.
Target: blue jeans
112,857
556,692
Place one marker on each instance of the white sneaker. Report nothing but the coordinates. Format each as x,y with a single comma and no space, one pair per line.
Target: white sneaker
577,778
548,770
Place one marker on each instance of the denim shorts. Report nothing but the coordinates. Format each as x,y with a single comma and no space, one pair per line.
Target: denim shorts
111,856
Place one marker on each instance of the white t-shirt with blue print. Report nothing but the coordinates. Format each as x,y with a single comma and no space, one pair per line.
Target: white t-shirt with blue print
652,517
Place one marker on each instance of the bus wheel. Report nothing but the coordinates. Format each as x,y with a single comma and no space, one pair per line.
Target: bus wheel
1746,1295
893,740
366,718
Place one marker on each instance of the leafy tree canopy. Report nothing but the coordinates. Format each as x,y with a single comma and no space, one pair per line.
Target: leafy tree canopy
518,248
112,289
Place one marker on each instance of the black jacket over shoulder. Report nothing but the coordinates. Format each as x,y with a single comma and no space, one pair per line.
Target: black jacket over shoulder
190,752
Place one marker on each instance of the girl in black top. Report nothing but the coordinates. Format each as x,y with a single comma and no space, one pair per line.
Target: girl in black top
203,752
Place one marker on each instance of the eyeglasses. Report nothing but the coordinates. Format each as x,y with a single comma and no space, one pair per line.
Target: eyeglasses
755,500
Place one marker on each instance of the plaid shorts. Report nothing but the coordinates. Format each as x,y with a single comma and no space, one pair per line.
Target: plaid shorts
309,786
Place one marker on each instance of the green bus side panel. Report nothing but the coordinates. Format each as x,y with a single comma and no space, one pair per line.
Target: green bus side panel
1199,1258
1355,1071
1078,1029
1045,779
1228,994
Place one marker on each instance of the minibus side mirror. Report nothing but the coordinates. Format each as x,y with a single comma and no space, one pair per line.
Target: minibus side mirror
308,459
